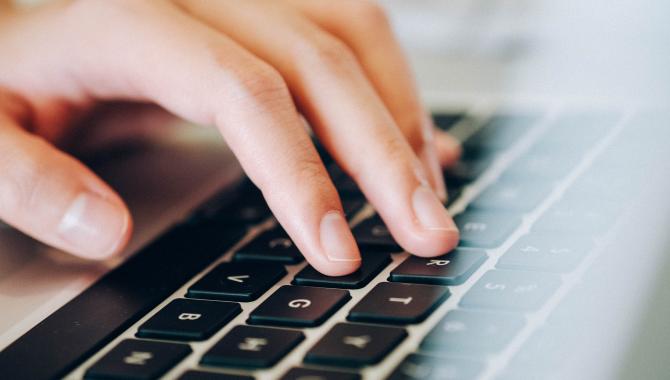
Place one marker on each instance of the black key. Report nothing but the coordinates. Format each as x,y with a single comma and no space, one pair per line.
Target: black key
396,303
201,375
425,367
115,302
472,333
445,121
465,171
273,245
372,234
546,252
138,359
355,345
184,319
453,193
371,265
299,306
297,373
502,131
237,281
247,209
451,269
485,229
352,206
511,290
512,195
252,347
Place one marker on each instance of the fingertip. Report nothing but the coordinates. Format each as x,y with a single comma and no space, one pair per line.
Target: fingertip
95,227
447,147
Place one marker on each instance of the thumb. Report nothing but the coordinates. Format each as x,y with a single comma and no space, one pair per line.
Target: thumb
54,198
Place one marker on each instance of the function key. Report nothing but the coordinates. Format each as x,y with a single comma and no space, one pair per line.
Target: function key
355,345
252,347
371,264
372,234
272,245
396,303
472,333
138,359
546,252
421,367
509,195
297,373
302,306
184,319
237,281
484,229
451,269
511,290
201,375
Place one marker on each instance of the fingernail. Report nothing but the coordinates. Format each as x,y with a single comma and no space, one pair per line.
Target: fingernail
94,226
336,238
430,212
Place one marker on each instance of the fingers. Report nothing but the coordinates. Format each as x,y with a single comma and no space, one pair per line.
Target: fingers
54,198
364,27
347,115
207,78
447,147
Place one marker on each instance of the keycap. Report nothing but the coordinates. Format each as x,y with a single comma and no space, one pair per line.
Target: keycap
451,269
138,359
465,170
446,120
145,280
184,319
273,245
248,208
372,234
202,375
569,217
355,345
511,290
426,367
510,195
472,333
297,373
371,264
396,303
550,252
302,306
352,206
541,163
237,281
485,229
252,347
502,131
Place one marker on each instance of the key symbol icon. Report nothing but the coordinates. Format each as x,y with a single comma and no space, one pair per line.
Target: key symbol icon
280,242
359,342
138,358
252,344
299,303
189,316
439,263
403,301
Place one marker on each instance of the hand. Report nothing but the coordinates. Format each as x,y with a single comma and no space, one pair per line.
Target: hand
250,68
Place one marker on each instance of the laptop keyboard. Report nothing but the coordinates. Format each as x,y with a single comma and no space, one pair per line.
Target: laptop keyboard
260,303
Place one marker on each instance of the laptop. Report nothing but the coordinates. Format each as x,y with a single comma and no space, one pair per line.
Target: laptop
560,195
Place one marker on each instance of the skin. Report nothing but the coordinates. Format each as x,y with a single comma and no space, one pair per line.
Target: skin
249,68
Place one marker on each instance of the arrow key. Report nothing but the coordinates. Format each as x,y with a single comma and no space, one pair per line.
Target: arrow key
237,281
395,303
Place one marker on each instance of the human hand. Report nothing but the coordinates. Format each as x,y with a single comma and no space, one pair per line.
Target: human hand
250,68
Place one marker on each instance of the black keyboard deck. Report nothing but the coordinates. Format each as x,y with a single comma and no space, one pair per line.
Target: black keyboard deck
284,302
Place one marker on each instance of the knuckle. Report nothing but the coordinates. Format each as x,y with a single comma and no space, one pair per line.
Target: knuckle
412,127
262,83
328,52
371,12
